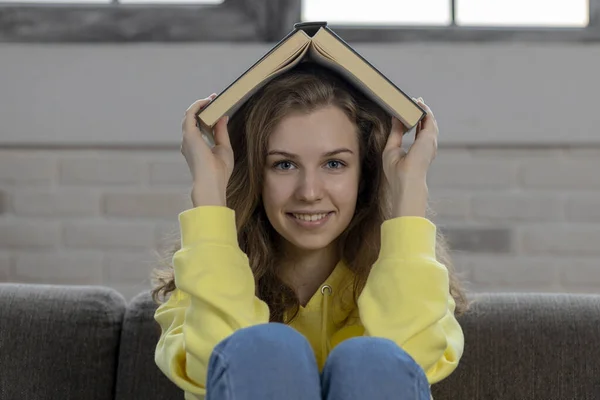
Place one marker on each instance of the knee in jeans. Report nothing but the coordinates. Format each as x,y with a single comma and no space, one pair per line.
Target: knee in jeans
269,339
367,351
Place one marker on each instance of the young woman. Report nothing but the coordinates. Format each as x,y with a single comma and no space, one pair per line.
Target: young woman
308,268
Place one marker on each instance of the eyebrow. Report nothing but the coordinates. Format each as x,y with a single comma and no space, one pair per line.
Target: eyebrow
290,155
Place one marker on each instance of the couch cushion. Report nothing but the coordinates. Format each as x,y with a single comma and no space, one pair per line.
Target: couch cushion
528,346
59,342
138,376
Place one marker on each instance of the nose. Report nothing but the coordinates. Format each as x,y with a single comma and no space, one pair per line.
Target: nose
310,187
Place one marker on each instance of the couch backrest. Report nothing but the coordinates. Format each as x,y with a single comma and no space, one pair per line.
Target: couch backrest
59,342
63,342
138,376
528,346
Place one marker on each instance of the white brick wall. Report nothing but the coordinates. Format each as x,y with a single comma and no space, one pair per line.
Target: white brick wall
102,169
5,266
525,219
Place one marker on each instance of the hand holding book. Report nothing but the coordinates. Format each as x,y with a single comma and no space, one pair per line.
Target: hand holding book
406,172
211,167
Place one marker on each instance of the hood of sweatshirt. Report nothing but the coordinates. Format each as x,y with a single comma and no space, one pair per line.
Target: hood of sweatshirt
330,309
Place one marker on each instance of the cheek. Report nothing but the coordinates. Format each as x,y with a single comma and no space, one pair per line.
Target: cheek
275,192
345,191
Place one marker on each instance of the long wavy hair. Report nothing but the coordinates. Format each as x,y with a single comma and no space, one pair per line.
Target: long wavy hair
306,88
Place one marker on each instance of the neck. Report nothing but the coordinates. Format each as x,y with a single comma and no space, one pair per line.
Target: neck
305,270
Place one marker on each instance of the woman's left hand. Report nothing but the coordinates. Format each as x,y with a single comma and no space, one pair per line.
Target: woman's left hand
406,172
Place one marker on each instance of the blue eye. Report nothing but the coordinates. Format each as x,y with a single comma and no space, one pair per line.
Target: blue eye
335,164
283,165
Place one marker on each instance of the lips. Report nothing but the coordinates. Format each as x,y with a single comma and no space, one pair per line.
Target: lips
310,220
310,217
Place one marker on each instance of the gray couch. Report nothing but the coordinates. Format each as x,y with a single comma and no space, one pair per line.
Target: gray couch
87,343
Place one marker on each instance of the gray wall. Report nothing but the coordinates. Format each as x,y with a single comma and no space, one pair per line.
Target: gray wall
91,177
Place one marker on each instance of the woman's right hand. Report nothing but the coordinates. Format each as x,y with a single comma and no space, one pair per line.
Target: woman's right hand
211,168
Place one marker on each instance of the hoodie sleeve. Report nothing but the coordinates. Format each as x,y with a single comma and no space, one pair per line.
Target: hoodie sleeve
407,298
215,296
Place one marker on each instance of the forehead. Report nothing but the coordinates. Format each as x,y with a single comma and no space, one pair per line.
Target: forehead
318,131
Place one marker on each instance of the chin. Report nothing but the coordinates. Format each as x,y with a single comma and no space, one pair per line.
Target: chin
310,244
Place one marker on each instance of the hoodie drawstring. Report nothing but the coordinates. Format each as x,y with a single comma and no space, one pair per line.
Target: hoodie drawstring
326,291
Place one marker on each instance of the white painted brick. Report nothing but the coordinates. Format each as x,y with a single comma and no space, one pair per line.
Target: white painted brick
462,265
4,202
146,204
58,202
478,239
25,234
511,271
581,272
167,236
129,267
5,266
577,152
67,268
579,174
27,167
109,169
449,204
517,206
109,235
452,154
130,290
583,207
170,172
511,154
561,239
472,174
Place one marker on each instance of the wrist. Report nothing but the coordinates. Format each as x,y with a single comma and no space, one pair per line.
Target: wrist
204,197
410,200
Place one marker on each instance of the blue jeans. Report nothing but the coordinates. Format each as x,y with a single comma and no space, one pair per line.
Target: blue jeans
274,361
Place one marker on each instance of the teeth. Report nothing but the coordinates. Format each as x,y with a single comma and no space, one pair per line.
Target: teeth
310,217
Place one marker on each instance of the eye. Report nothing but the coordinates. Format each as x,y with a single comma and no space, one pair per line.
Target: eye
283,165
335,164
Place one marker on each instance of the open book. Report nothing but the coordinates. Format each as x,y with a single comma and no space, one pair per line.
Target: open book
313,41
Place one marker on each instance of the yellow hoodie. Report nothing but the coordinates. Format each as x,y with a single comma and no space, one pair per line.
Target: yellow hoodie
406,299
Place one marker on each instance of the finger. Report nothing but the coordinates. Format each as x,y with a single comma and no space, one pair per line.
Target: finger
428,122
428,135
221,133
395,137
189,120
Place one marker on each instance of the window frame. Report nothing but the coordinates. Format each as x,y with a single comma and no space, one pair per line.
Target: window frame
246,21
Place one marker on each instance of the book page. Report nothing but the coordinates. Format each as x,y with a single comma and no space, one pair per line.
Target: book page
289,63
335,54
255,77
320,56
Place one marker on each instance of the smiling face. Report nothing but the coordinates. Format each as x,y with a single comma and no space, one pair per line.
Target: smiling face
311,177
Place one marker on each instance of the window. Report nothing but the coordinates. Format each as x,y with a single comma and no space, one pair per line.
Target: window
269,20
378,12
554,13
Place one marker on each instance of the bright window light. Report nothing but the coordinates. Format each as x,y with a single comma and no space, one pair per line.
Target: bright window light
110,1
378,12
550,13
170,1
45,2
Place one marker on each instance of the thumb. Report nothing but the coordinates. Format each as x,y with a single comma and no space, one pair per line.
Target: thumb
395,137
221,133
